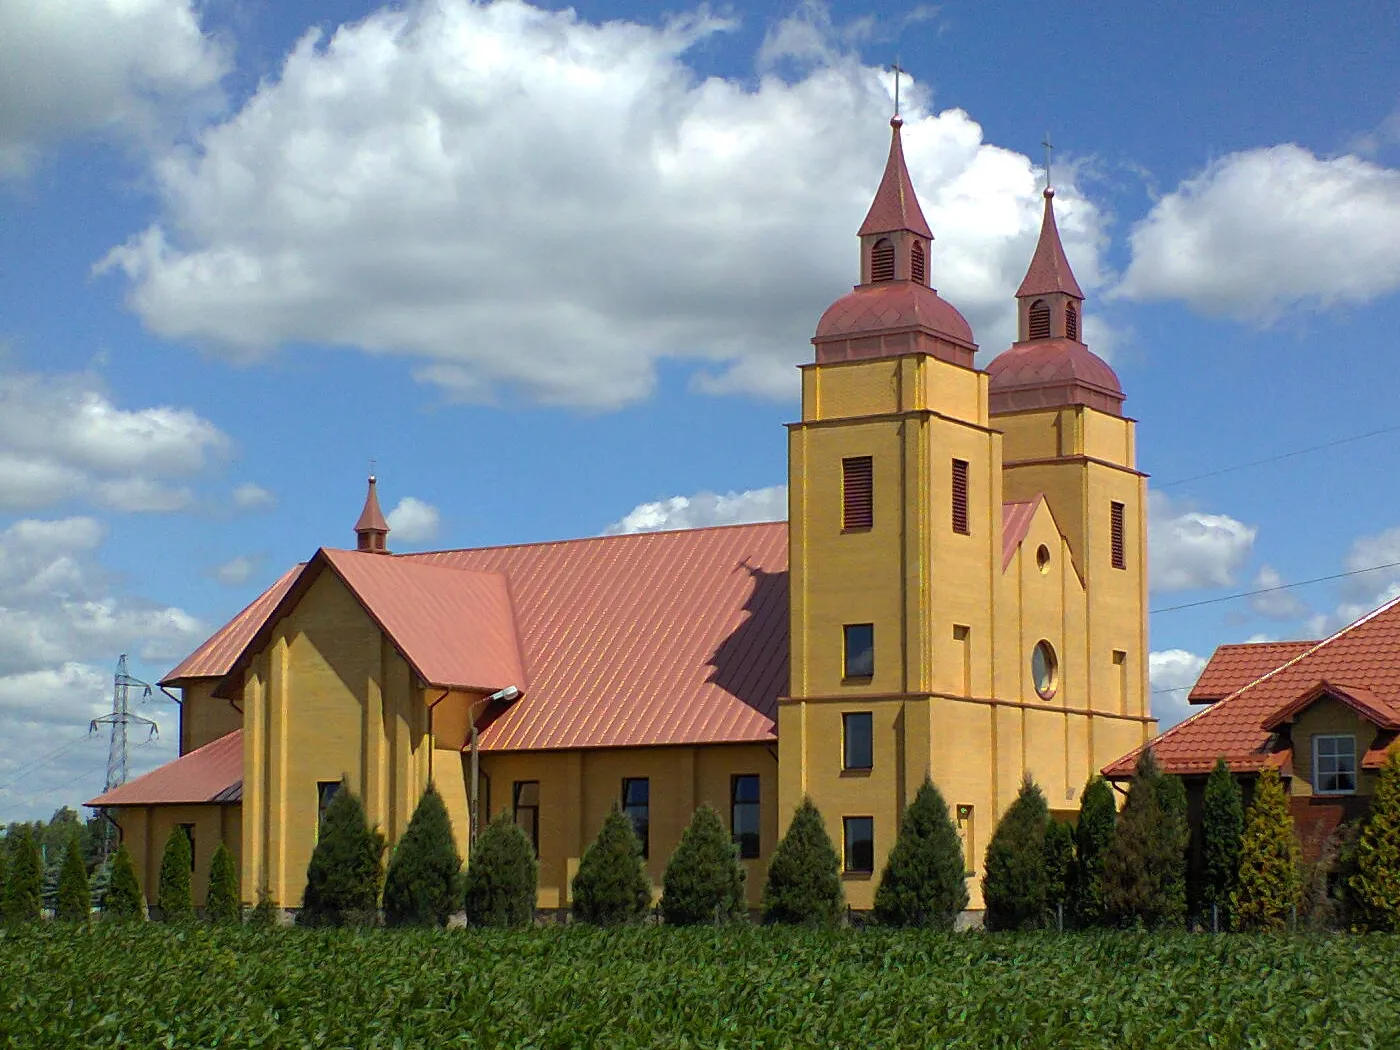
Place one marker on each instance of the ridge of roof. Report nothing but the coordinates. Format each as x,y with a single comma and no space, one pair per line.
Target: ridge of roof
1221,677
213,657
409,555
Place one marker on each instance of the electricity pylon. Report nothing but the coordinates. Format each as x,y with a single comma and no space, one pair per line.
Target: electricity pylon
118,720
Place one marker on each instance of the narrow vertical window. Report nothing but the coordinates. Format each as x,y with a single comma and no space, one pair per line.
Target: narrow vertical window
858,658
636,803
1120,552
325,794
962,638
1120,673
1071,322
917,264
1039,320
857,492
882,261
857,744
188,829
744,814
960,519
860,845
527,810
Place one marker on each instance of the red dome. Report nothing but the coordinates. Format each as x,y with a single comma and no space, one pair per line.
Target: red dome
1043,373
889,306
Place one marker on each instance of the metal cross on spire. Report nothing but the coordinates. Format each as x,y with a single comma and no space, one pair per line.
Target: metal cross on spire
371,466
1049,146
898,72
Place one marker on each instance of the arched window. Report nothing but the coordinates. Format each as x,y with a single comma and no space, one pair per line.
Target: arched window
1071,322
916,262
1039,326
882,260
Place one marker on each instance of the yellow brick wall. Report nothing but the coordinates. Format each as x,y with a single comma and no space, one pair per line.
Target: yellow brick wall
145,829
204,717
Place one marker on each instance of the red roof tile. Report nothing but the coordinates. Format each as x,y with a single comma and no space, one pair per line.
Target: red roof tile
214,658
1361,700
1049,270
895,206
1234,666
213,773
1365,655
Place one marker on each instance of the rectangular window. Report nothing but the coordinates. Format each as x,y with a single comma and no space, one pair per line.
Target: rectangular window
960,519
1120,553
860,845
325,792
188,829
857,493
1120,672
857,747
962,638
859,660
527,809
1334,765
743,814
636,803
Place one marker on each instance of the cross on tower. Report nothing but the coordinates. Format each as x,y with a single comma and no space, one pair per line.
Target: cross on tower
898,72
1049,146
371,468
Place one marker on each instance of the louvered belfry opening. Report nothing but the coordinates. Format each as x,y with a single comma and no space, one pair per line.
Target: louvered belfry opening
1120,555
1071,322
960,516
857,492
1039,320
917,264
882,260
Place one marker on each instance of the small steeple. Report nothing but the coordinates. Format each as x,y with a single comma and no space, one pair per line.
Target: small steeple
372,531
895,238
1050,298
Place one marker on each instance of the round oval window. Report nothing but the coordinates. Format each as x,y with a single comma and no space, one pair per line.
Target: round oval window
1044,670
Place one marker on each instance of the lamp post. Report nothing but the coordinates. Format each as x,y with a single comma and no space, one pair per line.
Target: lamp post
509,695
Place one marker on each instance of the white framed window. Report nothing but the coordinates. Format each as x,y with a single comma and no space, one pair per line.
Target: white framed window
1334,765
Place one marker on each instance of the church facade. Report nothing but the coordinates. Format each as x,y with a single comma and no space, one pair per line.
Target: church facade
959,592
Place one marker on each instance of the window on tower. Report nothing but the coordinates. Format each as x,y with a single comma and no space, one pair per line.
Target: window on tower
882,261
859,650
960,519
1038,326
1117,529
857,740
918,268
1071,322
857,493
859,852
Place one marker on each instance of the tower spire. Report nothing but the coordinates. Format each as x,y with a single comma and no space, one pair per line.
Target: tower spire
895,208
1049,299
372,531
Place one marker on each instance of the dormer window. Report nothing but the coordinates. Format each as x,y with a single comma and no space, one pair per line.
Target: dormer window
917,266
882,261
1039,320
1334,765
1071,322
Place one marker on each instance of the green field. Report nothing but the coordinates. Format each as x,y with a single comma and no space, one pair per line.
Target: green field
643,987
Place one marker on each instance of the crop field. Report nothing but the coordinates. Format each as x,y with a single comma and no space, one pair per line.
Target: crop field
654,987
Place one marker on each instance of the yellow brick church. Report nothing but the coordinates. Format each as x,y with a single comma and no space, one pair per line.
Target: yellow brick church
960,591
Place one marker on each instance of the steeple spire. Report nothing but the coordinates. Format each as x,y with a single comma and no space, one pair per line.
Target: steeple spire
895,207
1050,270
371,531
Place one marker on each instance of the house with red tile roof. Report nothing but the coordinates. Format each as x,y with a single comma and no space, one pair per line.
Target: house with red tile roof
959,592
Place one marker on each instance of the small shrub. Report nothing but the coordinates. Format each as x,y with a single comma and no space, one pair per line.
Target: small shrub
1098,816
611,885
1375,885
704,881
501,885
222,904
1267,889
123,898
1222,827
25,883
1059,870
74,902
804,880
265,914
424,882
1145,867
346,868
924,882
174,893
1014,879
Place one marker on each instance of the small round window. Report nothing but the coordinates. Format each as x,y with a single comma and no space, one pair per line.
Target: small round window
1042,559
1045,670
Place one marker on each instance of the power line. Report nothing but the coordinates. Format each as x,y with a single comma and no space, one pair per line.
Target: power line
19,774
1280,457
1270,590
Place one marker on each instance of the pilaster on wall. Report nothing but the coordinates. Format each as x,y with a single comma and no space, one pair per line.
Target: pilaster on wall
277,730
254,787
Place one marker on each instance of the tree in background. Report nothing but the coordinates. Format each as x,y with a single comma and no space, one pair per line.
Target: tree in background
24,886
1267,889
704,881
1374,887
804,880
4,872
611,885
924,881
1098,816
222,903
173,892
346,869
123,898
74,902
424,884
1144,870
1059,870
1014,879
501,885
1222,827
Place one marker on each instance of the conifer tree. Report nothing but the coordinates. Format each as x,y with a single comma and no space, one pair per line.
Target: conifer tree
1267,889
1144,871
74,902
346,869
1059,869
5,845
1222,826
501,885
1375,885
1098,816
424,883
222,903
611,886
704,881
924,882
173,893
23,890
123,898
265,914
804,880
1014,885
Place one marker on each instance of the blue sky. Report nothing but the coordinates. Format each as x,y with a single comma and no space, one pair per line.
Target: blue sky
553,272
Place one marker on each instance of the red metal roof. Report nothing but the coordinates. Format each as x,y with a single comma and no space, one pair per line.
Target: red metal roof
371,517
892,306
1234,666
215,657
213,773
1015,523
1049,270
1365,655
1041,373
895,206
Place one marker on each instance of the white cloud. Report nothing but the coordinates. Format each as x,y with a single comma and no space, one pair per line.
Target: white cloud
238,570
249,496
1277,604
1188,549
62,437
1377,559
1265,231
443,182
1171,673
77,66
703,509
413,521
